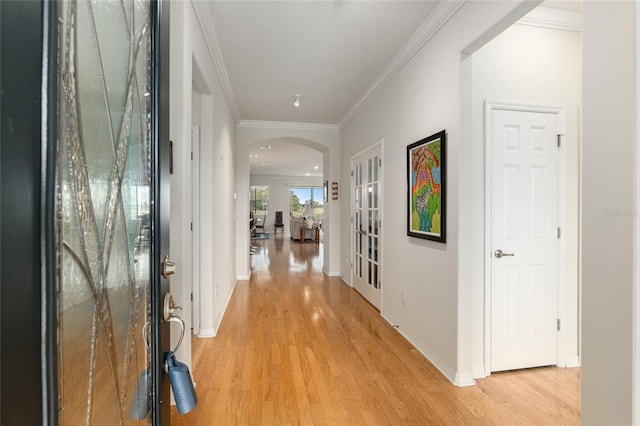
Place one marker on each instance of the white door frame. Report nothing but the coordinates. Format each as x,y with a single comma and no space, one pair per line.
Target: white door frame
195,228
491,106
379,143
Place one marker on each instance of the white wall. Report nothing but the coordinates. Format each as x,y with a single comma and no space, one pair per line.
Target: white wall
609,79
533,65
192,65
423,98
280,195
324,138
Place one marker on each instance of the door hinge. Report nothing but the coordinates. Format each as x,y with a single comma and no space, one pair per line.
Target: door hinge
192,297
560,135
559,233
380,162
192,226
192,155
352,266
351,219
558,324
351,173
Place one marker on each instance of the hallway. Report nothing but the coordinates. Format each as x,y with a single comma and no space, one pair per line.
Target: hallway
298,347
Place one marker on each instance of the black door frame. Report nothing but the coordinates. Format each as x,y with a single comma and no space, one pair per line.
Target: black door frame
28,137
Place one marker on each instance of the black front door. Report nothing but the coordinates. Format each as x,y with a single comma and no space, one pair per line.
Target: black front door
98,228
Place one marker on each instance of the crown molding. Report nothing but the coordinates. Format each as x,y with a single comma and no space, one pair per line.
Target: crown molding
440,15
205,21
554,19
254,124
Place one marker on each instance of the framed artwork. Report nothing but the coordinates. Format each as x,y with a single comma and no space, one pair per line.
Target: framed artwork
427,179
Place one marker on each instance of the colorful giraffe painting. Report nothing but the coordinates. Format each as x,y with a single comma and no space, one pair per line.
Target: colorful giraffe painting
425,160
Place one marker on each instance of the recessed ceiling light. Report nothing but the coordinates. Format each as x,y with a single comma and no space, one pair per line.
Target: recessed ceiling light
266,164
253,155
308,174
316,167
265,147
297,99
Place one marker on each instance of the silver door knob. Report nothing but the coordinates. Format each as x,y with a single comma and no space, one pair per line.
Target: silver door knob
168,267
499,253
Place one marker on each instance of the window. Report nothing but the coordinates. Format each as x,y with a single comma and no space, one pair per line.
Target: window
259,199
307,201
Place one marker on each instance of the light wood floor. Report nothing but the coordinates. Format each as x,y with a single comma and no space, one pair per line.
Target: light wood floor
297,347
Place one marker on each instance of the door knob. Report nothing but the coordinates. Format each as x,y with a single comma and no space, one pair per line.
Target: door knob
169,306
498,253
168,267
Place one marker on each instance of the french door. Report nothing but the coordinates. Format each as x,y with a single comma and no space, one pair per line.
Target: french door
111,197
366,216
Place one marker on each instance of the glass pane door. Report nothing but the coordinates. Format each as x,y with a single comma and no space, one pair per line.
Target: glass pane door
103,201
366,214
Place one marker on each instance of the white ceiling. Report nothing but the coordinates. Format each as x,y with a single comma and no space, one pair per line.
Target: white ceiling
335,53
327,51
330,52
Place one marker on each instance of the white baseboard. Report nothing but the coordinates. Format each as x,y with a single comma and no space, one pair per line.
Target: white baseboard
478,372
218,320
455,378
207,332
243,277
345,281
330,273
572,361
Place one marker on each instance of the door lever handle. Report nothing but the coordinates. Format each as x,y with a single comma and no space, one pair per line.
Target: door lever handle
499,253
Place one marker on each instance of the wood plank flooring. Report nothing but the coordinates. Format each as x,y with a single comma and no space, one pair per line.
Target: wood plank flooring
298,347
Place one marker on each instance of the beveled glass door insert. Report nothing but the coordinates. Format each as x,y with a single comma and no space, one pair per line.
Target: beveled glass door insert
102,211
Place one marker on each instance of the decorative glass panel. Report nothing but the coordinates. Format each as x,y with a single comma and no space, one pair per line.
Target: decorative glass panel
103,204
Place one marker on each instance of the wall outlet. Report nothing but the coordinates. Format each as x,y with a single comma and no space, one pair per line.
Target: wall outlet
403,295
215,292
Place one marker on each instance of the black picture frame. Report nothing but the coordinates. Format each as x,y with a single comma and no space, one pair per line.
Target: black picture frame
427,188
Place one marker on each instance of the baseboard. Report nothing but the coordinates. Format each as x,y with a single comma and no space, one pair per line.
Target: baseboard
218,320
330,274
207,332
464,380
572,361
455,378
243,277
478,372
344,280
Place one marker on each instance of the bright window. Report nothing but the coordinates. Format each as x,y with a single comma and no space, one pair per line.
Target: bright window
307,201
259,199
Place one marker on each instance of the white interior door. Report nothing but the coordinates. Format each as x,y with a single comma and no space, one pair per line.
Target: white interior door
195,228
366,218
524,227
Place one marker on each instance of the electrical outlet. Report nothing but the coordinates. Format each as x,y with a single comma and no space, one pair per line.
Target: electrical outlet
215,292
403,295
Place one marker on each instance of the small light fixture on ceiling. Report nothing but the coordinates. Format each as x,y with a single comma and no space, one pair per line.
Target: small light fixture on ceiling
253,155
266,164
265,147
308,174
316,167
297,99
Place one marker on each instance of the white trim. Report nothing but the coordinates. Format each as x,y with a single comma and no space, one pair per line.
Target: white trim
460,380
572,361
201,10
491,106
440,15
256,124
195,232
206,332
553,19
635,362
478,372
243,277
330,273
344,280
